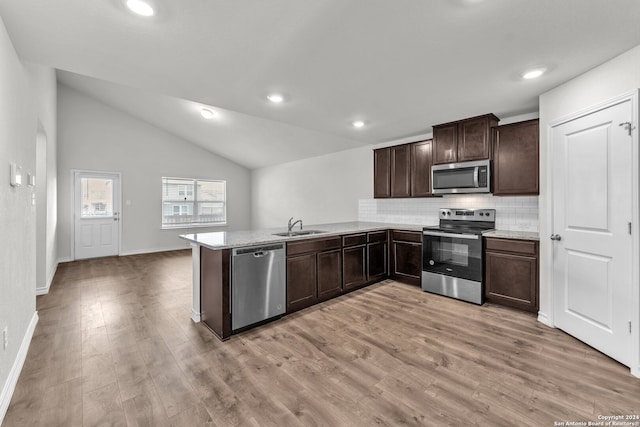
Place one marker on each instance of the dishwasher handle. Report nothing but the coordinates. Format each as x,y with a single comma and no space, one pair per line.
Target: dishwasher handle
259,254
258,249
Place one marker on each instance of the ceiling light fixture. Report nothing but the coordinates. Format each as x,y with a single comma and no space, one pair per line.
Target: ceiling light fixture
140,7
358,124
533,74
207,113
276,98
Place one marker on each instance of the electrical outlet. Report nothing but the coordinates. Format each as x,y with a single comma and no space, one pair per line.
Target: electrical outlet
5,337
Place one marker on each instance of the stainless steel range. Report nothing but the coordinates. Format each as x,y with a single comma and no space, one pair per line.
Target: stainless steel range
452,261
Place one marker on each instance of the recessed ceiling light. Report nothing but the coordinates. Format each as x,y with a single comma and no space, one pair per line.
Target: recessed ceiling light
140,7
276,98
207,113
358,124
534,73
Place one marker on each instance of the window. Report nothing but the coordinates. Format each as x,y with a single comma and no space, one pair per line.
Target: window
193,202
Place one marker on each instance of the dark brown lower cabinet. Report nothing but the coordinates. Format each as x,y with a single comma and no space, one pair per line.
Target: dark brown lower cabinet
376,261
511,273
301,281
329,266
215,289
406,257
354,266
314,272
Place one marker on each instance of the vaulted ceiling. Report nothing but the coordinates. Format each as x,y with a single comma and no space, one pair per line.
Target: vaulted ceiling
400,66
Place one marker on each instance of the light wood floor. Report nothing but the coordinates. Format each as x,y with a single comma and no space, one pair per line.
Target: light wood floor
115,346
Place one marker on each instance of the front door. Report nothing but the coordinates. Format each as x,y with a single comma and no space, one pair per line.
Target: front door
592,211
96,214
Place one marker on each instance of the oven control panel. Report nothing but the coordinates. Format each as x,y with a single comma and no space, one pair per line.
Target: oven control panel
468,214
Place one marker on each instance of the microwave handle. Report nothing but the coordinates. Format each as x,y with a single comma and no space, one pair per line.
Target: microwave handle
451,235
475,177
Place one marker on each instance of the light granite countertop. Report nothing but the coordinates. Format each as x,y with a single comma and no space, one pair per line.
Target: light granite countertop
511,234
235,239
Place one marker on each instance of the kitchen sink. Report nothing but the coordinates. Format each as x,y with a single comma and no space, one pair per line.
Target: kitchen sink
299,233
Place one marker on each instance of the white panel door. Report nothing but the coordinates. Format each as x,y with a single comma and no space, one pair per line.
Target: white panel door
96,214
592,211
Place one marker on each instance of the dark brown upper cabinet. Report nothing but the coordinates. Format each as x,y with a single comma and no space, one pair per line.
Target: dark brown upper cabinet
382,173
402,171
463,140
516,159
421,169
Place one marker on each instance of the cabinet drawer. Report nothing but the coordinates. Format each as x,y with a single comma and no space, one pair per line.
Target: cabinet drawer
509,245
407,236
315,245
354,239
377,236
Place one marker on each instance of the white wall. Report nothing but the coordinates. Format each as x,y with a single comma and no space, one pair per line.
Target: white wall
318,190
94,136
20,108
613,78
44,87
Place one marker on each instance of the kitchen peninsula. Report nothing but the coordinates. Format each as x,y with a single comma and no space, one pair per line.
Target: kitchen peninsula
332,260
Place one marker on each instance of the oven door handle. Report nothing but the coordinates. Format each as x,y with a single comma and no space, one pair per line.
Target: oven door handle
452,235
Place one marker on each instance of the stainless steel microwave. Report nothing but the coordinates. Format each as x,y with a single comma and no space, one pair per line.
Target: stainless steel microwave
461,178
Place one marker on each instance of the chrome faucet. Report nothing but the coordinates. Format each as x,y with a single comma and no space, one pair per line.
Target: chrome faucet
291,225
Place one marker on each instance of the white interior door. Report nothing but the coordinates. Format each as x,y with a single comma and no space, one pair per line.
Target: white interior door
96,214
592,212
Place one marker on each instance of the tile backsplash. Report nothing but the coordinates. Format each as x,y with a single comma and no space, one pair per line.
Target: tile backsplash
512,213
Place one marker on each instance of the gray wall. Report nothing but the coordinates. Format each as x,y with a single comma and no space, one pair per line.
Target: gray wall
94,136
20,111
317,190
613,78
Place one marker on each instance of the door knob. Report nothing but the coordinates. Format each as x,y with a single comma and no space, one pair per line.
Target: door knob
556,237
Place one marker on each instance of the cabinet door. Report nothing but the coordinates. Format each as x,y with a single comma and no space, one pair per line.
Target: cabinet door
354,266
421,169
445,143
406,261
381,173
474,139
301,282
516,159
329,274
400,171
376,261
512,280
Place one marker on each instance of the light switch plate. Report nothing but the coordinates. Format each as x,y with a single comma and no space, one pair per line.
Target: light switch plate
16,175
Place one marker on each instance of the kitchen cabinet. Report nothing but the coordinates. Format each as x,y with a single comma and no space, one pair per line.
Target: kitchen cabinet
377,255
516,159
421,169
382,173
364,258
403,171
215,290
311,272
463,140
354,260
329,270
511,273
406,256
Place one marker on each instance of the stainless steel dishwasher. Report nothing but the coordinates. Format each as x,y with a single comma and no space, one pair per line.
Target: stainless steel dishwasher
258,284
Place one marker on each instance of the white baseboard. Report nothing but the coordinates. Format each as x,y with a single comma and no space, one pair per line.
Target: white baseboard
542,318
152,250
10,386
195,316
66,259
52,273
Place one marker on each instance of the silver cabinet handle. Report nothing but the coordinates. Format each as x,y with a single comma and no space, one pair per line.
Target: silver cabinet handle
556,237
